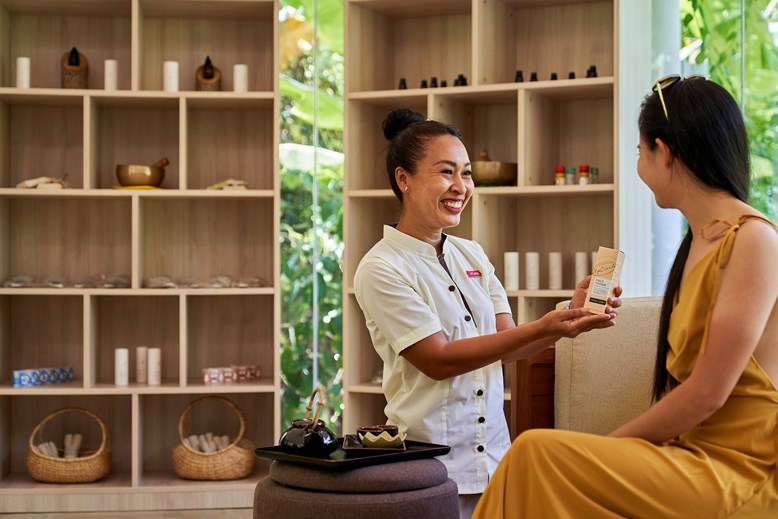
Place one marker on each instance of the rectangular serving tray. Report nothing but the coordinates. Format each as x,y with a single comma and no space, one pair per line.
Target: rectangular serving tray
348,459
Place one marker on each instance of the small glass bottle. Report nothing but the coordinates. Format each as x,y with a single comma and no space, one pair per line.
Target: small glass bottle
594,175
403,84
533,76
559,176
569,176
519,78
433,82
583,175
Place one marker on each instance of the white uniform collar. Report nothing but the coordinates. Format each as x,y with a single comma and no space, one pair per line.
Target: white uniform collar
413,244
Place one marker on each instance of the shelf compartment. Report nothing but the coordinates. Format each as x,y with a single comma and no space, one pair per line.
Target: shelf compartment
411,40
133,131
363,409
366,145
44,31
544,37
41,332
159,416
68,237
131,321
542,224
487,120
200,238
230,330
570,131
25,412
364,361
187,31
41,137
230,140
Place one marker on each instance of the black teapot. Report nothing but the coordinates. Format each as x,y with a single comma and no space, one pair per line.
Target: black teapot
309,437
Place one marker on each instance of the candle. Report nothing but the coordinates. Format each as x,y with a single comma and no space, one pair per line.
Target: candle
121,366
581,266
240,78
170,76
555,270
111,75
511,270
22,72
141,364
532,267
154,358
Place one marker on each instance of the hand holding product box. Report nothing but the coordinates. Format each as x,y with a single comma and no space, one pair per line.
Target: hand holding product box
605,278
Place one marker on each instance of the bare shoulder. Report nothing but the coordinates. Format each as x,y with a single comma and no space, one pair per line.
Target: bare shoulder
756,249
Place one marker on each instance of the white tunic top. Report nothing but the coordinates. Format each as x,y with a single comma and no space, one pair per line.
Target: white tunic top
406,296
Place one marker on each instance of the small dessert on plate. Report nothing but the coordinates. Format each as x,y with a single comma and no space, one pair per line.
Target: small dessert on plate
380,436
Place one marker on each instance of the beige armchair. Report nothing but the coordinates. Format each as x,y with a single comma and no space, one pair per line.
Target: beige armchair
604,378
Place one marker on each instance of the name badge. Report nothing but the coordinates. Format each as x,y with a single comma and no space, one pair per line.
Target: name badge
473,273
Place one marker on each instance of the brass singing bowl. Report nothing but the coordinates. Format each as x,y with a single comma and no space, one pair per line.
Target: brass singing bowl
137,175
494,173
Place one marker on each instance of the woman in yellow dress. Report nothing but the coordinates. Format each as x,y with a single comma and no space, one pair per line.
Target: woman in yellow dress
708,447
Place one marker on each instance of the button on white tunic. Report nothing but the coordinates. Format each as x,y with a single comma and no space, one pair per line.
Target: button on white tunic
406,296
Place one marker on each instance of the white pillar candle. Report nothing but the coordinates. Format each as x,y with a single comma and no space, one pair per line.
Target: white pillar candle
170,76
532,268
121,367
111,81
581,266
22,72
240,78
154,358
511,260
555,271
141,364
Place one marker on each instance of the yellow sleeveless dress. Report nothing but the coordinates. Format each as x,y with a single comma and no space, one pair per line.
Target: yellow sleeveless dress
724,467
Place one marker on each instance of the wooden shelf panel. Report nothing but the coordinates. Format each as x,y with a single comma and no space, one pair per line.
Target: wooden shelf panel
229,32
97,8
544,191
160,416
544,37
198,239
164,481
391,35
21,483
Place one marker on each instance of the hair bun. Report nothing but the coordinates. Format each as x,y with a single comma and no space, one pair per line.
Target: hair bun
399,119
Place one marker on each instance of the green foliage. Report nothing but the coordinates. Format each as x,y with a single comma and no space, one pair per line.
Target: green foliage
306,226
713,27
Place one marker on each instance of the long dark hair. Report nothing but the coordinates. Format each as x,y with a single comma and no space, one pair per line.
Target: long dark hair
704,130
408,132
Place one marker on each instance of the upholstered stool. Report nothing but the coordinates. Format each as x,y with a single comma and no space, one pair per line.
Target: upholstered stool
407,489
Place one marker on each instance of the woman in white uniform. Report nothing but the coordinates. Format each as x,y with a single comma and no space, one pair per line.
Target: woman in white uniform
439,317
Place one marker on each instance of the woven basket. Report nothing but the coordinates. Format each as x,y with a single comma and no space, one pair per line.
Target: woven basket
89,466
234,462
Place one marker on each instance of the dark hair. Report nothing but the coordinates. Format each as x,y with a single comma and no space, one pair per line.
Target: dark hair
408,132
704,130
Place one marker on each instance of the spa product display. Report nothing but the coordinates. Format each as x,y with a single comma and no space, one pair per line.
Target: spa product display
606,271
44,183
488,172
75,69
212,456
309,436
218,281
141,176
208,77
230,184
97,281
72,464
380,436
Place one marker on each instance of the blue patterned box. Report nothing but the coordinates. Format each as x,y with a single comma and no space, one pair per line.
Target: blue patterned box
42,376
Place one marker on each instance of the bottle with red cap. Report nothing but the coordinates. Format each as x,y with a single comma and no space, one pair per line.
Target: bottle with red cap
583,174
559,176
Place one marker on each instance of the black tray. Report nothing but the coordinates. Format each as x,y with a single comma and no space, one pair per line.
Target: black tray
348,459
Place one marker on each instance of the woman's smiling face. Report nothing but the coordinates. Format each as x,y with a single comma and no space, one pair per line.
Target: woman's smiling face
442,186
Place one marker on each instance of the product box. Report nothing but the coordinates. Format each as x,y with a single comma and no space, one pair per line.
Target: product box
605,277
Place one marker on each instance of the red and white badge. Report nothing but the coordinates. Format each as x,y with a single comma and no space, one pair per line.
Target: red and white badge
473,273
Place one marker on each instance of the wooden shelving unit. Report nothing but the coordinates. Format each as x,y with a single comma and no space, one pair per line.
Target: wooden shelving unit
182,231
535,124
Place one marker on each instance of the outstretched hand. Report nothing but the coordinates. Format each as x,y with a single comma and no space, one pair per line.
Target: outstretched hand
571,323
579,297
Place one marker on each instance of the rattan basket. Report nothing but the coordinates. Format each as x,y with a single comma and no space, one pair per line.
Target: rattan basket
90,466
233,462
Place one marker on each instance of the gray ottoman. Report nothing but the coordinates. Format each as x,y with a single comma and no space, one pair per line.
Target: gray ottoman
408,489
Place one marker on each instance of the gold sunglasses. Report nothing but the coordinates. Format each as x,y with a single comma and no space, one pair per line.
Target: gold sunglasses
666,82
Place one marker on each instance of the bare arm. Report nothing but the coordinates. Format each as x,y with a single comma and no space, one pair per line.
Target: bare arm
735,330
439,359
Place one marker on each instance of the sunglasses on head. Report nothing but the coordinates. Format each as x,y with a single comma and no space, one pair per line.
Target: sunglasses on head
668,81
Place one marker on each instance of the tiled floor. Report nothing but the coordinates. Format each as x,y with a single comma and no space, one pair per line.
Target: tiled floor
234,513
